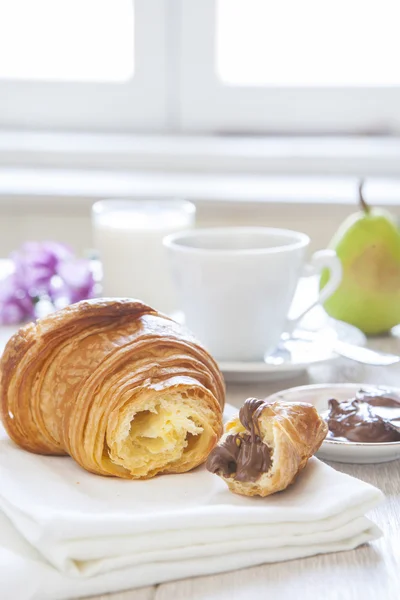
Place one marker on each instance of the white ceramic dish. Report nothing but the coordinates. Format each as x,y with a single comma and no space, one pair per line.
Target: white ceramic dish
347,452
236,284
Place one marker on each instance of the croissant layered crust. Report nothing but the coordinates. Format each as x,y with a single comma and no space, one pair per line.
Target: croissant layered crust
121,388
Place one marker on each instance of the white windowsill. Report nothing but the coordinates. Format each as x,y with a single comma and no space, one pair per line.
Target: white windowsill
79,188
353,156
75,169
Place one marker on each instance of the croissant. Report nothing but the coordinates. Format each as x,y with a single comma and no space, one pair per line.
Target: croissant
121,388
265,447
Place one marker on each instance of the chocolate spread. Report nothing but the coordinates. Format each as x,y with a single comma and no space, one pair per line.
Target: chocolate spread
370,417
243,455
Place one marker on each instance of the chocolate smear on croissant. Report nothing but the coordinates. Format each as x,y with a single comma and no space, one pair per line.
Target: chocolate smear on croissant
243,456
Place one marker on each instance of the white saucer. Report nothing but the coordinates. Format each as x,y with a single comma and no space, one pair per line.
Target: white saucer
346,452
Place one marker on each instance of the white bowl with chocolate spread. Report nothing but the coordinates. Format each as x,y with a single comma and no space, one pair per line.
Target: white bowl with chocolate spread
363,420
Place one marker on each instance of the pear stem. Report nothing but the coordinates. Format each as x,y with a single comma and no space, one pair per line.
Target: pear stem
364,206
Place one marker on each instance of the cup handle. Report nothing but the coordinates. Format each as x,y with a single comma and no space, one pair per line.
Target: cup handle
321,260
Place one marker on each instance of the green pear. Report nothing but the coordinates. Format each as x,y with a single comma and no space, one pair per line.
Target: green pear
368,246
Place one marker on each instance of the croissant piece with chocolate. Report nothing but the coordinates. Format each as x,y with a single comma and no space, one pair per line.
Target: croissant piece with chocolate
265,447
121,388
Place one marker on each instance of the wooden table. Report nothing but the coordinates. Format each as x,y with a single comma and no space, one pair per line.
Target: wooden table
371,572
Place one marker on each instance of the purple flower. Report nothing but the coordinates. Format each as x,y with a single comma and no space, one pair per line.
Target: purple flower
15,303
74,282
37,262
46,276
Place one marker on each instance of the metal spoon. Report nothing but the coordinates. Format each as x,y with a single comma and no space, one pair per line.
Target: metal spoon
359,354
365,355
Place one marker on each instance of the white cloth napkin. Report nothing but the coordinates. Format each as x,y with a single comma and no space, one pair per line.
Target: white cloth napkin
65,533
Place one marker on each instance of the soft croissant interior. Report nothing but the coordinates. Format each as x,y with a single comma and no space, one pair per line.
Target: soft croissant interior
164,433
123,389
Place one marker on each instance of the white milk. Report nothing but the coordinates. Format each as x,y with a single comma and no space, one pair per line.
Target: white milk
128,235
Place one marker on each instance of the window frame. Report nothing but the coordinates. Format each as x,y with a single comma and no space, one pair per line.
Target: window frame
269,110
94,106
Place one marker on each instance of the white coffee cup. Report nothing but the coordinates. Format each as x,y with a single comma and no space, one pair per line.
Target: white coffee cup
236,284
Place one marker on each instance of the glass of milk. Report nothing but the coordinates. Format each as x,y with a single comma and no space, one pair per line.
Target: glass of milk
128,235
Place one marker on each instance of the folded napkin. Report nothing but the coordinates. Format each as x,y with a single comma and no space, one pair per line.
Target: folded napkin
65,533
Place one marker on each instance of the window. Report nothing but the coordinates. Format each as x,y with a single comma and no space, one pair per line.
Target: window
67,40
82,64
236,66
307,43
291,66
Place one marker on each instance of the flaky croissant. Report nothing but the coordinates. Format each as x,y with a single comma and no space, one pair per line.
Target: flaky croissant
121,388
265,447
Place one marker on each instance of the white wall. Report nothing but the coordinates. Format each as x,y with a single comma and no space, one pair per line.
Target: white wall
69,221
